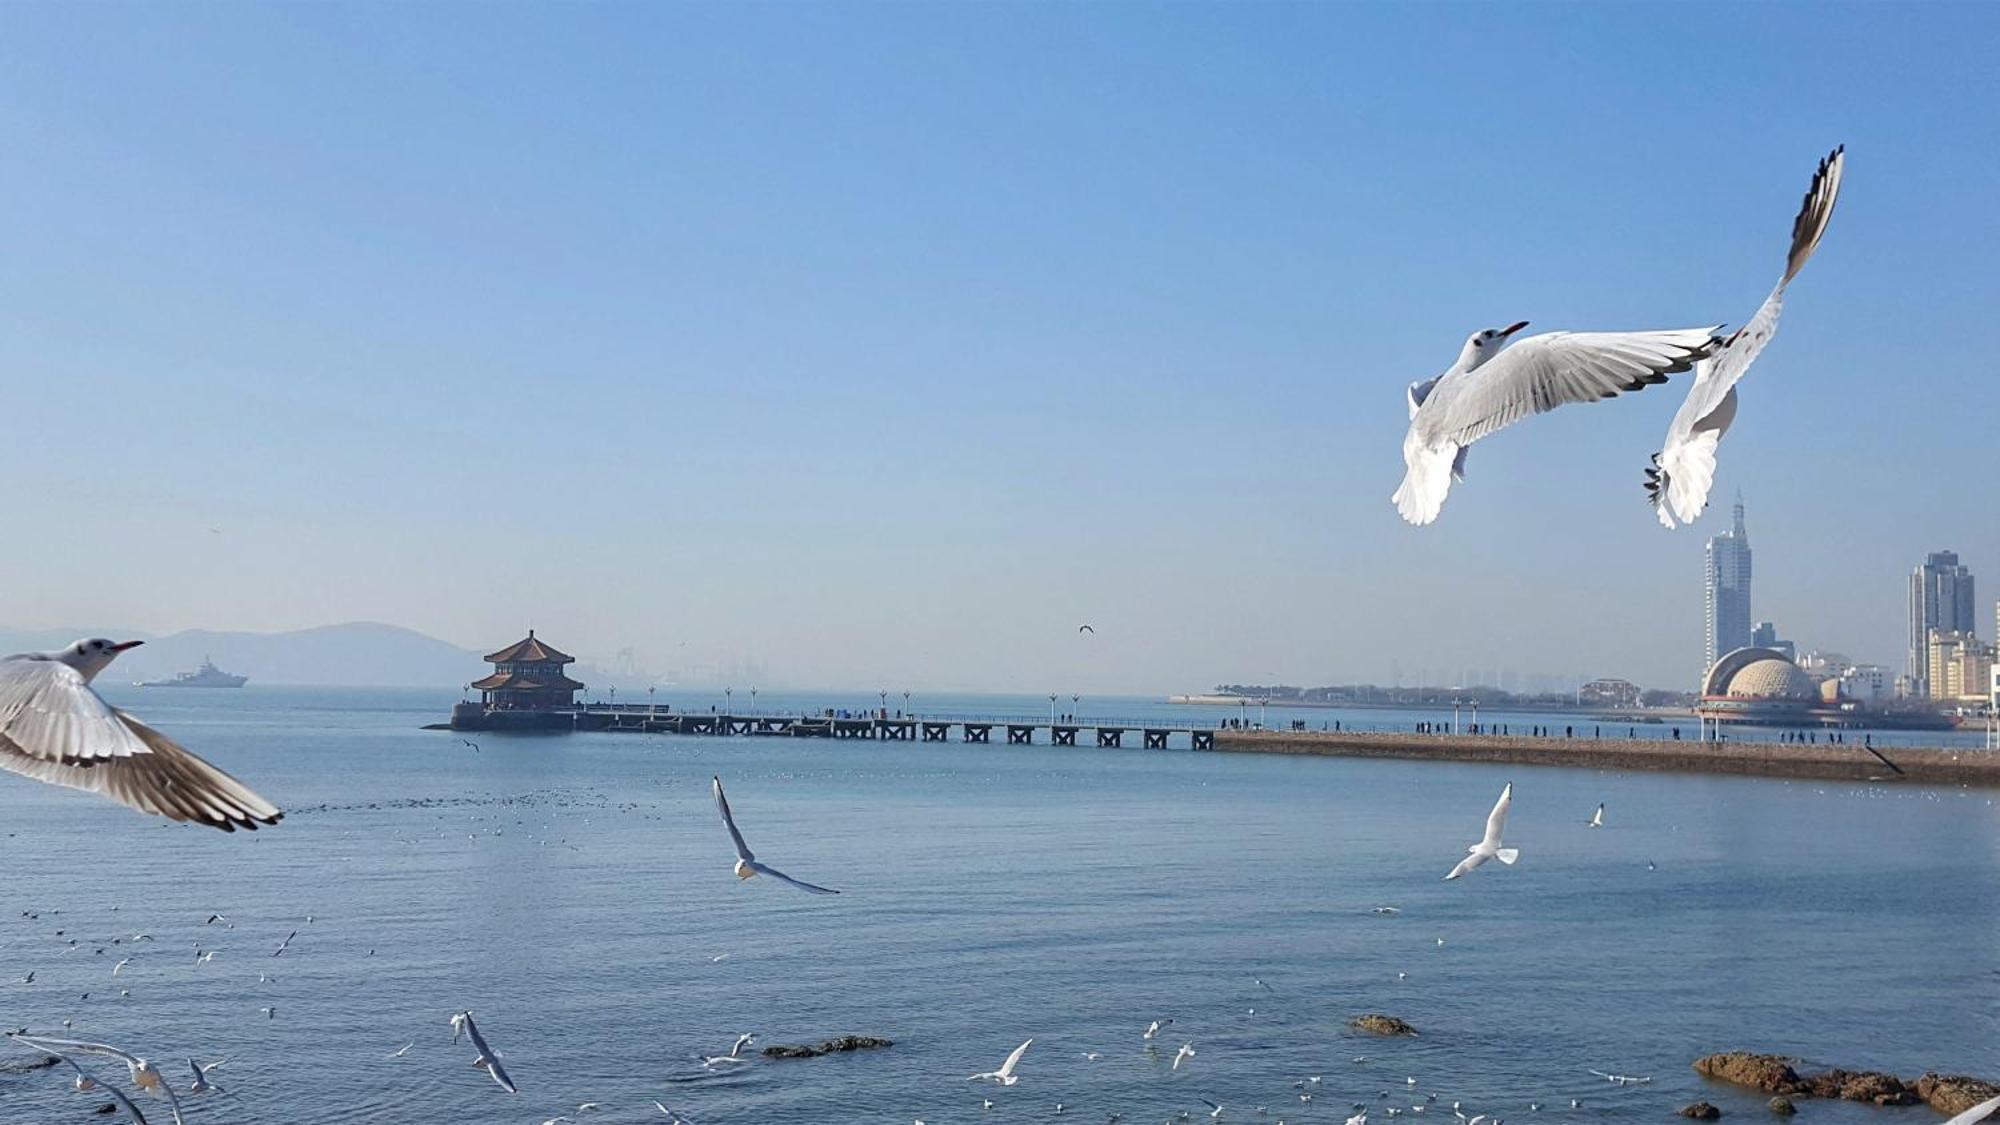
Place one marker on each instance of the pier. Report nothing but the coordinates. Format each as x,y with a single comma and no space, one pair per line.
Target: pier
1012,730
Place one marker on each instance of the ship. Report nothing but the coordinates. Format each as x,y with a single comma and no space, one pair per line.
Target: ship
208,675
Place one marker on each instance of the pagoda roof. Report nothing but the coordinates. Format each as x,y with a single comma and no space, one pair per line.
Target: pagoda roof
528,650
516,681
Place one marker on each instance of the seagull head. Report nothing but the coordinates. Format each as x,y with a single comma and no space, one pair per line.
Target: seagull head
1486,343
90,656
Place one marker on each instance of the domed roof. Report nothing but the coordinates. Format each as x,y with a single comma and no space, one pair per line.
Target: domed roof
1759,673
1772,679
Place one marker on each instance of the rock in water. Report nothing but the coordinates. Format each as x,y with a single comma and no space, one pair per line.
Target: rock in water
1953,1094
1701,1111
1381,1025
1772,1074
1783,1107
844,1043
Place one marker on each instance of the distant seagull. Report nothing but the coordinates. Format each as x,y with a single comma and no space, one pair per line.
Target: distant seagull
285,944
1492,386
1597,818
1684,469
404,1051
1005,1075
120,966
746,863
673,1118
735,1054
1214,1110
201,1084
1086,629
1388,910
1489,847
469,742
1186,1052
1153,1028
54,727
1976,1114
1359,1118
489,1059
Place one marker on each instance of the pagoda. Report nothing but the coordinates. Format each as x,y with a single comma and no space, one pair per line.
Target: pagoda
528,676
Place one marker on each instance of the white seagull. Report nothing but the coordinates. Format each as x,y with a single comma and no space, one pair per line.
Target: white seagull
144,1074
1597,818
1153,1028
1186,1052
84,1081
1489,846
54,727
489,1059
1684,468
746,862
1005,1075
201,1084
735,1054
1493,385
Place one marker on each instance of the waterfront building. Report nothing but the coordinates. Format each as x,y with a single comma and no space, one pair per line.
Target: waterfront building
1727,586
1759,685
1960,667
1609,692
1765,635
1940,600
528,676
1866,684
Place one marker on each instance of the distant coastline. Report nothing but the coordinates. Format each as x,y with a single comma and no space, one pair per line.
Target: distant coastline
1850,761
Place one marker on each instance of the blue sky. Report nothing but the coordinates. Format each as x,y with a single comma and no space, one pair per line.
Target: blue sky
883,344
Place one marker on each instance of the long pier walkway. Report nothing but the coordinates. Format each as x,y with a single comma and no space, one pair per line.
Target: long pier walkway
1014,730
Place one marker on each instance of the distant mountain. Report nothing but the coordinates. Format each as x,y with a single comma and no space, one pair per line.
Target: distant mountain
359,654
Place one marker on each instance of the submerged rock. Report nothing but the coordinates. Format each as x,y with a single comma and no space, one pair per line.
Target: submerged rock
1772,1074
844,1043
43,1062
1782,1106
1701,1111
1381,1025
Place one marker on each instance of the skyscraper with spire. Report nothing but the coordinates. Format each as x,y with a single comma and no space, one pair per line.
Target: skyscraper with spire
1940,601
1728,590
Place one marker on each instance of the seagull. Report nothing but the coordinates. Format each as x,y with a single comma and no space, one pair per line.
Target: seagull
1359,1118
675,1118
1153,1028
285,944
1390,910
1005,1075
1597,818
84,1081
489,1059
144,1074
746,862
1489,847
120,966
1085,629
201,1085
735,1054
1684,468
54,727
1492,385
1186,1052
1214,1110
1976,1114
404,1051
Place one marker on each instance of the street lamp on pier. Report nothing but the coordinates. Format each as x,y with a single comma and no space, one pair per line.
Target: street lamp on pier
729,701
1052,709
650,712
884,695
1072,708
753,701
906,705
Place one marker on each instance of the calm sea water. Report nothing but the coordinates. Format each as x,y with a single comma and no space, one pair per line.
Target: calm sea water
574,891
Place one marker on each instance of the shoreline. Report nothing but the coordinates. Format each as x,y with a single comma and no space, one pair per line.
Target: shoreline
1850,762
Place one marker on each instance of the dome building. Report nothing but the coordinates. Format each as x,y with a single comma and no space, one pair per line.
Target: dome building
1759,685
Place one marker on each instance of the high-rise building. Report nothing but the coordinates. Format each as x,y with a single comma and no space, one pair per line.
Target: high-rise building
1728,588
1941,600
1960,666
1765,635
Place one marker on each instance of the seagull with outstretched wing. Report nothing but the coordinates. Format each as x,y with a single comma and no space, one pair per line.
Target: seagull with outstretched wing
1005,1075
1493,386
1489,845
1684,469
54,727
488,1058
746,861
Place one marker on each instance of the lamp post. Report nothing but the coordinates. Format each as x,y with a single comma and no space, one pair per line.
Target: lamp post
1052,709
906,705
884,694
1072,708
1263,723
1475,714
729,701
614,698
753,701
650,710
1454,714
1242,713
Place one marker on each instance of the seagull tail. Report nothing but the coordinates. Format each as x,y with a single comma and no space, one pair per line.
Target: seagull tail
1507,855
1421,495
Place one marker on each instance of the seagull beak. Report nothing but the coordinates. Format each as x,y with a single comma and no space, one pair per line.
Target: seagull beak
1513,328
123,645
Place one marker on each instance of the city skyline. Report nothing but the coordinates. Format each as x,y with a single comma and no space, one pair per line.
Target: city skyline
1727,611
685,331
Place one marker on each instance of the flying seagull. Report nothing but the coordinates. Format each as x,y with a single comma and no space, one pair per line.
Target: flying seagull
1597,818
84,1081
1684,469
1005,1075
1489,847
489,1059
1085,629
201,1084
1493,385
144,1074
735,1054
746,862
54,727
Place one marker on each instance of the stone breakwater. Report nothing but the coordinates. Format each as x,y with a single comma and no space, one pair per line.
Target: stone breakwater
1849,762
1773,1074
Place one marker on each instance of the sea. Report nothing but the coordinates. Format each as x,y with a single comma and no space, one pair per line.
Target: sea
574,892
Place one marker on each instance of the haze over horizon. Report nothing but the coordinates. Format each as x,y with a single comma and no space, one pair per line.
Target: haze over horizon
885,345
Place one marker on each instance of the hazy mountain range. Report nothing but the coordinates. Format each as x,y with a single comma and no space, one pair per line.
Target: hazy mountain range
358,654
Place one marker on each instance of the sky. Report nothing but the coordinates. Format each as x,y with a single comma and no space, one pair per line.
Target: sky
882,345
